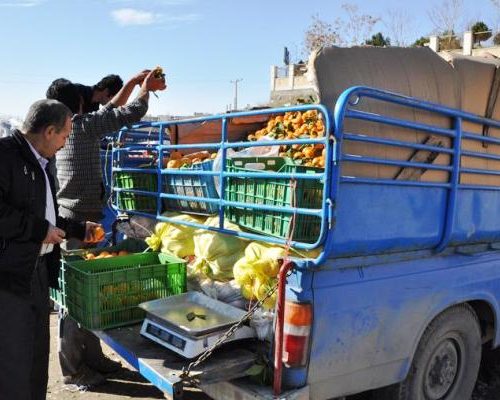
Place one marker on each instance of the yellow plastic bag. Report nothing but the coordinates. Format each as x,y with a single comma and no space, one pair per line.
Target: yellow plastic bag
154,241
216,253
172,238
257,271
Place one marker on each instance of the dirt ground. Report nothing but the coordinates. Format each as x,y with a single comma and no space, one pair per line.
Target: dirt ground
128,384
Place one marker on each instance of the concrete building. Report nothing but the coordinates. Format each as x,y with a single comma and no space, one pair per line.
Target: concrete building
467,49
289,84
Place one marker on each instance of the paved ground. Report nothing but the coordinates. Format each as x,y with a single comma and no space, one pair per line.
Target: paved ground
128,384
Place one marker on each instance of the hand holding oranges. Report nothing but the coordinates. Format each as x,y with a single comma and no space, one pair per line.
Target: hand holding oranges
94,233
156,80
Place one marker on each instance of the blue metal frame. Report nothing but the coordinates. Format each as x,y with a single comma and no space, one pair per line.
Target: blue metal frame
345,109
324,213
334,182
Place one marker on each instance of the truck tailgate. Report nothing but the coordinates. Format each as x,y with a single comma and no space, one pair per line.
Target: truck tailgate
163,367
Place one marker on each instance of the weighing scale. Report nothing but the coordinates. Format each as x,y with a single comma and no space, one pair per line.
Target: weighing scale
190,323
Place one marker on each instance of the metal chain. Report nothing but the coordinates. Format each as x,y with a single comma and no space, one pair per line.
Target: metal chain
186,371
203,356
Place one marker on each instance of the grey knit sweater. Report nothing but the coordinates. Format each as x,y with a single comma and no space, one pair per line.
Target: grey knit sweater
81,192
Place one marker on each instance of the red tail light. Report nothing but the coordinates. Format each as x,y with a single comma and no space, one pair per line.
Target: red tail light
297,328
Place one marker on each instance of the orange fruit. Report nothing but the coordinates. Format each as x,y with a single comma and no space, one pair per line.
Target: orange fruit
99,233
175,155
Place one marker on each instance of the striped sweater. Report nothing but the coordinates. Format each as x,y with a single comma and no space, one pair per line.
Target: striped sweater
81,191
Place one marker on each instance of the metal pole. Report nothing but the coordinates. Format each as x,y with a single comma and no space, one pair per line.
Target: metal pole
236,92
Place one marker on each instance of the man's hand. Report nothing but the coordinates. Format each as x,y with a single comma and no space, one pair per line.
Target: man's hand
139,78
54,235
94,233
121,98
152,83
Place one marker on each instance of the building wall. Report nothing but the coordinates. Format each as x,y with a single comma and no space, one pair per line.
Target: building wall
290,97
495,50
476,52
289,84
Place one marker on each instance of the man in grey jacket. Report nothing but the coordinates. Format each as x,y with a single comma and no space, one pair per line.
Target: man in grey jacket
81,197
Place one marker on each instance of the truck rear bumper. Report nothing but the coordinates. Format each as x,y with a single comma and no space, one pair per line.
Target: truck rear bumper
242,390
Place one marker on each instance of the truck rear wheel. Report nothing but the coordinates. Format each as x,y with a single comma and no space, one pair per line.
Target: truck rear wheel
446,363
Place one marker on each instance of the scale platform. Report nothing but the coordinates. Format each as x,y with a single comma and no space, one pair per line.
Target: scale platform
191,322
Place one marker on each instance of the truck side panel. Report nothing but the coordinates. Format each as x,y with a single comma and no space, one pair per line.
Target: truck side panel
369,320
379,225
369,218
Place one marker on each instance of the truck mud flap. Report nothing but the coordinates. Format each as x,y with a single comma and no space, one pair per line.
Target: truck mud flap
163,368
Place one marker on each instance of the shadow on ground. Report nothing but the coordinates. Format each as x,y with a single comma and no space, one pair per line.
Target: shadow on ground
130,383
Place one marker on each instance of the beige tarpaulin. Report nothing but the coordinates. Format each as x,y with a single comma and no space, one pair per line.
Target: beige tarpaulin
476,76
416,72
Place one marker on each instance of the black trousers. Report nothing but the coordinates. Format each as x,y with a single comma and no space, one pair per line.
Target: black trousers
24,340
78,347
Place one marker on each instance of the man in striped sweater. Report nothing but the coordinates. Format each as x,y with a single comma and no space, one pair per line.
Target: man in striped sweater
81,198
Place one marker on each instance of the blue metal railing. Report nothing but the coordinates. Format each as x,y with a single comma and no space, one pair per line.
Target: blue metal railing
323,214
345,109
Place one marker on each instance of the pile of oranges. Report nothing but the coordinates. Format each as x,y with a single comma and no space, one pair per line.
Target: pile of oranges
296,125
177,160
105,254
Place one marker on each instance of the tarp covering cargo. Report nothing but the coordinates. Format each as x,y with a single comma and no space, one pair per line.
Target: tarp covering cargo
371,218
463,83
479,79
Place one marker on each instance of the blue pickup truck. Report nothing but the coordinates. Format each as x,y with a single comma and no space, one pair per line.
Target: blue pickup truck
404,292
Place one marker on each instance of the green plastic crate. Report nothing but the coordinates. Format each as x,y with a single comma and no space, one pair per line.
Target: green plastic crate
137,181
276,192
104,293
58,295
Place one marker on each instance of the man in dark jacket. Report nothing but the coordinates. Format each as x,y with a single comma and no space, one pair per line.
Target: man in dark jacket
30,234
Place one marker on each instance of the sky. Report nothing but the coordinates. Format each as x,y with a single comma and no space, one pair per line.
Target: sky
202,45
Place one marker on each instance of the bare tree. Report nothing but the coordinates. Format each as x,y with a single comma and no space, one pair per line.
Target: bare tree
319,34
399,24
444,17
355,28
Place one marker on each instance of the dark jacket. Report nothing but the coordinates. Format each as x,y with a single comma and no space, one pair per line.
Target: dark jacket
22,216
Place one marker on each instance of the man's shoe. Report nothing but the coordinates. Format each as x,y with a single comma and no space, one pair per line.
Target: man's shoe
105,365
85,377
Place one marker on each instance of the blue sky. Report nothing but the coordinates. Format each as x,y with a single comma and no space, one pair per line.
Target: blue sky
202,44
